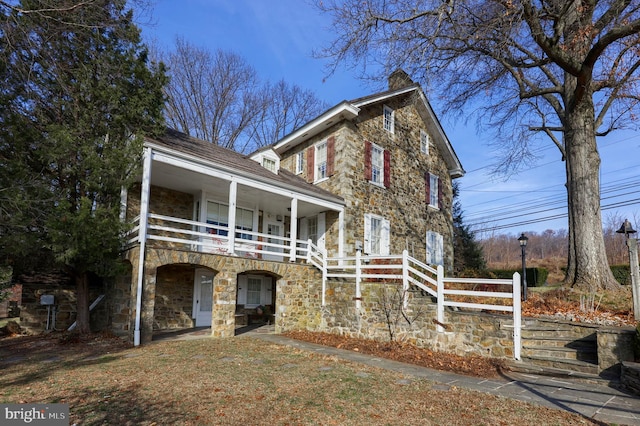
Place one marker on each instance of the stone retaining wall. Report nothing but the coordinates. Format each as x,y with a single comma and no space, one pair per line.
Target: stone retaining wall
380,316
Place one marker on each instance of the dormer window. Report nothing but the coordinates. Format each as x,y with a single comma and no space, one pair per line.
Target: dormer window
388,118
269,164
268,159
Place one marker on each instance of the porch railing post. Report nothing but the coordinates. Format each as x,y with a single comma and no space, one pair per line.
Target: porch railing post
405,278
517,317
440,301
358,279
309,257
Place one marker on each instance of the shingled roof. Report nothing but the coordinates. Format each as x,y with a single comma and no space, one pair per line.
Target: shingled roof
224,158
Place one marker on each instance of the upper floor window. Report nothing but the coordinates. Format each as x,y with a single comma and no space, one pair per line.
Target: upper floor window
269,164
377,164
433,190
424,142
388,115
299,162
376,234
435,248
321,161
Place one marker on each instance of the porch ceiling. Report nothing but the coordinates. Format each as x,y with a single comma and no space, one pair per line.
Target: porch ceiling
190,182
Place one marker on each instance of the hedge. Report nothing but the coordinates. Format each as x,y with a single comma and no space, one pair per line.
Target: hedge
536,277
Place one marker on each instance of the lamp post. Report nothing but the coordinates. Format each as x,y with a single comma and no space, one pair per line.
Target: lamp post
523,246
632,244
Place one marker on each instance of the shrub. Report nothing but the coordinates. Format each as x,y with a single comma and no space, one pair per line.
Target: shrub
536,277
622,274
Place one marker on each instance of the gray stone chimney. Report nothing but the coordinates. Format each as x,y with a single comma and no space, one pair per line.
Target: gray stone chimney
399,79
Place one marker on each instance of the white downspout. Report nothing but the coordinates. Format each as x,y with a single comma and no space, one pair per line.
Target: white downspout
142,237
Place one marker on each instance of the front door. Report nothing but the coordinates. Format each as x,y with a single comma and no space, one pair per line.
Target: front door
277,230
203,297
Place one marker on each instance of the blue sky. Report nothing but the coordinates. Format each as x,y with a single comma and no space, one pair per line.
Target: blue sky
277,37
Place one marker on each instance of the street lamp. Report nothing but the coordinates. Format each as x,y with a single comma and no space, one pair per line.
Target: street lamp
523,245
632,244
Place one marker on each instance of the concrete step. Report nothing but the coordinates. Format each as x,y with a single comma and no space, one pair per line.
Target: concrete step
526,367
588,354
575,365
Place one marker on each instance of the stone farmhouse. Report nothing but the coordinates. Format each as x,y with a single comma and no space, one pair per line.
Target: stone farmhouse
220,237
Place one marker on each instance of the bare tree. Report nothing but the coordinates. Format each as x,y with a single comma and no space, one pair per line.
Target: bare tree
286,108
211,95
567,69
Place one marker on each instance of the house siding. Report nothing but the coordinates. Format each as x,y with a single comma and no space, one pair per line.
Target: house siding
403,203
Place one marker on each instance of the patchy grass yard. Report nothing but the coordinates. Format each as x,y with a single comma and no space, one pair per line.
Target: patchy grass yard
237,381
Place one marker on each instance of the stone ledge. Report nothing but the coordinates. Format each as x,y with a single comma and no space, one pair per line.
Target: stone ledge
630,376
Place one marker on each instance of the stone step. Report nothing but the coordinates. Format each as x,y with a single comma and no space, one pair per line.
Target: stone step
540,333
526,367
561,342
578,366
588,354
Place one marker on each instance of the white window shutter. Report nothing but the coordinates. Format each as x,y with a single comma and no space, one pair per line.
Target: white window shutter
429,248
367,233
385,237
439,250
265,291
322,225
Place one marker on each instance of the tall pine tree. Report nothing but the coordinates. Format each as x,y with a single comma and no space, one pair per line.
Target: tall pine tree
468,257
77,95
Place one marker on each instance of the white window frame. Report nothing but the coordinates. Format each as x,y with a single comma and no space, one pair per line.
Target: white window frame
388,118
377,170
320,164
299,162
269,164
376,244
435,248
425,141
433,191
241,223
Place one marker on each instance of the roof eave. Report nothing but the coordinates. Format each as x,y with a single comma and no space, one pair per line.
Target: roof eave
342,111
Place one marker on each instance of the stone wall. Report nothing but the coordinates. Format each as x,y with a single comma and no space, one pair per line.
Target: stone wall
174,298
33,315
403,203
466,332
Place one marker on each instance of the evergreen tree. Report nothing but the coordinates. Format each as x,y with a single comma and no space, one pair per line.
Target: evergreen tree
467,253
77,95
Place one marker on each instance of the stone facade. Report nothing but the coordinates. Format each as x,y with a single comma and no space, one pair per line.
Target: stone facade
168,271
404,202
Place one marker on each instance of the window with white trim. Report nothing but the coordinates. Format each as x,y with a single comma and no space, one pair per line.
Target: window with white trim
300,162
312,229
377,164
376,234
435,248
425,139
218,214
269,164
433,190
388,118
321,160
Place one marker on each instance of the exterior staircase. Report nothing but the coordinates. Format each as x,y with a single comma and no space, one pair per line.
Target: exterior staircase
558,349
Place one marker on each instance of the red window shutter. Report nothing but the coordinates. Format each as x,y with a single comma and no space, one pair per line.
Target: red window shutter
331,155
311,163
367,160
440,193
387,168
427,189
